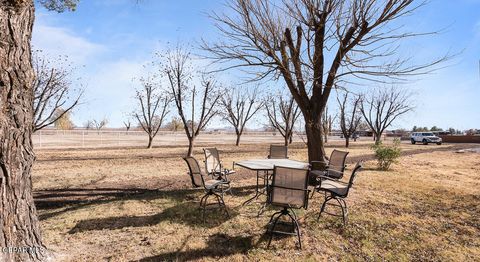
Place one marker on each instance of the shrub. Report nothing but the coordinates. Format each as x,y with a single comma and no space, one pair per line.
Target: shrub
386,155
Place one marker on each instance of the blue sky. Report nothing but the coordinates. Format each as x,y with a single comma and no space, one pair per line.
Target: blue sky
110,40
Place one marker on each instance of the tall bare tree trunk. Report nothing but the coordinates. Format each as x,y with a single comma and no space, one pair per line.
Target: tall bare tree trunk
314,131
19,225
238,139
347,141
150,142
191,142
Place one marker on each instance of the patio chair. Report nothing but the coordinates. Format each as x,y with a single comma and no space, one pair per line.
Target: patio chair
338,191
214,166
334,169
212,187
289,191
278,152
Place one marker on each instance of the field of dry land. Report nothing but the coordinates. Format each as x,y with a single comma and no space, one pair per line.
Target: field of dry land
134,204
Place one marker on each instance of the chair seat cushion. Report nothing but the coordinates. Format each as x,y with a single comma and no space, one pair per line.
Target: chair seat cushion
213,183
223,172
334,187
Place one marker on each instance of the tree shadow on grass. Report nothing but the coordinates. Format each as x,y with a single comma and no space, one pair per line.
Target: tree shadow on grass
187,213
55,202
218,245
68,199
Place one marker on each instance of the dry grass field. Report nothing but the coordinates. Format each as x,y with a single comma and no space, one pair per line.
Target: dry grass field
135,204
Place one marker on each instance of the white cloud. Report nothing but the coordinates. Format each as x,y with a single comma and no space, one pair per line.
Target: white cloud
61,41
110,92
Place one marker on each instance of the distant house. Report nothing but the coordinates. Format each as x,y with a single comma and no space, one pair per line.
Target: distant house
367,133
441,133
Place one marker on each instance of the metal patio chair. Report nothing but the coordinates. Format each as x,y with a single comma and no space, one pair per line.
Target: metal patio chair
278,151
289,191
214,166
334,169
338,191
212,187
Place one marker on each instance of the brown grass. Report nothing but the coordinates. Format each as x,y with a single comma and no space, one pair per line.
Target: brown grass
136,204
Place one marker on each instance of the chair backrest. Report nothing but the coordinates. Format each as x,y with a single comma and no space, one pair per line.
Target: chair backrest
289,187
357,168
337,160
194,171
212,160
278,151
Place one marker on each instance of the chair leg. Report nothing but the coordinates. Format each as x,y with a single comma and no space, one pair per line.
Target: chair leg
328,198
222,203
313,192
280,214
204,206
343,204
296,228
201,200
273,215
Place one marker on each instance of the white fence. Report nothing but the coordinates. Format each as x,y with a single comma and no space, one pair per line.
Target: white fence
106,138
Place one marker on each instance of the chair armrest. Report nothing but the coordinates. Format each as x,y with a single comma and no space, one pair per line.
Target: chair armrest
331,179
320,177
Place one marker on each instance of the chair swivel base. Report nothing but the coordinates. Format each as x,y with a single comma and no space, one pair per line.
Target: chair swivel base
220,203
341,203
274,222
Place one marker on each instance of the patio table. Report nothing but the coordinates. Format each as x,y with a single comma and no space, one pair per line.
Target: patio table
265,166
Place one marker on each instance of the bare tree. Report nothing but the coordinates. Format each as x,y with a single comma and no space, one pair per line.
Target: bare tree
99,123
88,124
282,113
20,226
383,106
314,45
128,124
327,124
349,115
239,107
53,90
153,107
180,74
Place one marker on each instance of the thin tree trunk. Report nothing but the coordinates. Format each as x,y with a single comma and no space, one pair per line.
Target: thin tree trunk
191,141
285,139
347,141
239,134
315,144
150,142
237,143
19,224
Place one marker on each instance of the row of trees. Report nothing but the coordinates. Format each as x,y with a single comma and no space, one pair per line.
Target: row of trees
197,97
185,87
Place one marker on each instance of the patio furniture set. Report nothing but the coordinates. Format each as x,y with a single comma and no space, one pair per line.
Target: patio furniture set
286,183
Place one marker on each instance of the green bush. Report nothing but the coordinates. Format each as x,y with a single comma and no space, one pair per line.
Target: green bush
386,155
